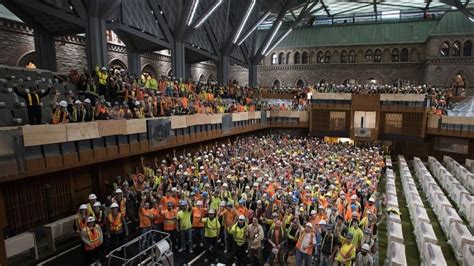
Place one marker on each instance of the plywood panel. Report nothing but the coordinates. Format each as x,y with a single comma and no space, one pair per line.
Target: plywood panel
178,122
80,131
216,119
112,127
135,126
44,134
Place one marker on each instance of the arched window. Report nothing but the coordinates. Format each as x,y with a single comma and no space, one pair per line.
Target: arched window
304,58
377,55
276,83
210,78
288,58
456,49
297,59
274,59
368,56
344,56
202,78
281,59
404,55
467,50
395,55
444,51
300,83
327,57
352,56
320,57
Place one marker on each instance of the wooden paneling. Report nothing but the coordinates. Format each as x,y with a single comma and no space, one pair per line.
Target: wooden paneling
365,102
44,134
81,131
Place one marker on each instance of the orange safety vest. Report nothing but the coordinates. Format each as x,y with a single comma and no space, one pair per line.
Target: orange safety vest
58,118
170,220
115,223
198,214
94,238
80,223
309,249
123,207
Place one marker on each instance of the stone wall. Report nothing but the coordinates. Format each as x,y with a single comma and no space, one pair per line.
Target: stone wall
239,74
203,71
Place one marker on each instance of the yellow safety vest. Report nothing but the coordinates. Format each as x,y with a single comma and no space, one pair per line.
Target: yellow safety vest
211,227
239,234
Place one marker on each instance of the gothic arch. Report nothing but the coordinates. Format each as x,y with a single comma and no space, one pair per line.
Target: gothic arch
149,68
210,77
300,81
276,82
202,78
26,58
117,63
463,73
414,55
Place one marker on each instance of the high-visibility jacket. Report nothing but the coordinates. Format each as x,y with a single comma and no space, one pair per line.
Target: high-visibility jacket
170,219
238,233
59,116
309,249
93,237
347,250
80,222
115,222
32,96
101,75
211,227
198,214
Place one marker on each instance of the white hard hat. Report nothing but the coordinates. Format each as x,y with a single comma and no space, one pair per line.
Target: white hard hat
92,197
63,103
309,225
137,103
174,189
371,199
90,219
212,211
83,207
97,204
225,185
313,212
114,205
118,191
77,102
199,203
366,247
322,222
353,197
87,100
241,217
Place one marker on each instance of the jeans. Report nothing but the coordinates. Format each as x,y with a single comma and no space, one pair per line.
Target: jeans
302,258
325,260
186,237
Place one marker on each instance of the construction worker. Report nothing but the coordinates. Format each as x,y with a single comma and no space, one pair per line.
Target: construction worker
33,103
92,238
255,237
329,244
198,226
60,113
291,234
357,234
304,245
77,112
364,258
121,201
89,111
99,215
211,232
146,219
92,200
185,226
103,76
239,233
170,223
81,217
117,229
347,252
277,240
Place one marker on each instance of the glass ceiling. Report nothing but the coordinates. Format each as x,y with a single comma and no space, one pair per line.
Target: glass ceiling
371,10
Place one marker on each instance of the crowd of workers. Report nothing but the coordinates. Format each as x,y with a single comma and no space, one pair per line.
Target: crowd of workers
113,94
259,199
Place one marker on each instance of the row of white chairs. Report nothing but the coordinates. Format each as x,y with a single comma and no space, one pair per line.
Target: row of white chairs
457,192
465,177
457,233
470,165
396,248
426,239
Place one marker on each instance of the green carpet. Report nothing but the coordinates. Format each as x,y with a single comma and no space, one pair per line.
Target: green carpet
382,229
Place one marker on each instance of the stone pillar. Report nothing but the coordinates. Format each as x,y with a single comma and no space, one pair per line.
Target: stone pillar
223,70
45,49
96,42
134,64
178,60
253,75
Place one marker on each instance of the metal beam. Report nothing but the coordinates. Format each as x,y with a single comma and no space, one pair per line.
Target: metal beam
111,9
80,9
184,7
277,21
352,9
161,21
253,28
325,8
160,44
58,13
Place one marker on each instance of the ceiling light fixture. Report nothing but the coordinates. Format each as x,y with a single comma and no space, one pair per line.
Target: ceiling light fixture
192,12
244,21
206,16
254,28
271,38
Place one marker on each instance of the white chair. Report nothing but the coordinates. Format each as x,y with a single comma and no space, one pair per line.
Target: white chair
59,229
459,238
468,255
433,255
420,215
395,233
396,254
425,234
440,202
21,243
467,208
456,192
448,217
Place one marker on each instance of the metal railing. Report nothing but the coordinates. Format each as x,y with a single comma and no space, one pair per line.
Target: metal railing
150,248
